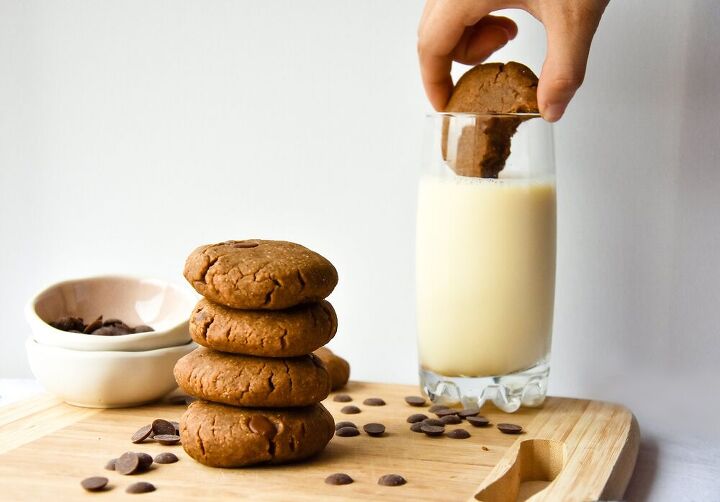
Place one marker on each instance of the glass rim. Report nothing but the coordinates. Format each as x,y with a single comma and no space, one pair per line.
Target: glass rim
483,114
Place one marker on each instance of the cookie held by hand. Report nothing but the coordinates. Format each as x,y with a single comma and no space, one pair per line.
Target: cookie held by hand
479,145
338,367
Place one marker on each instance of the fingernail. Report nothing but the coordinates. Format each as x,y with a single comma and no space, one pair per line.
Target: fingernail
553,112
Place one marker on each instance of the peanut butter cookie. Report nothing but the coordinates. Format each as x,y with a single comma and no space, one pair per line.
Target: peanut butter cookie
253,381
225,436
281,333
338,367
259,274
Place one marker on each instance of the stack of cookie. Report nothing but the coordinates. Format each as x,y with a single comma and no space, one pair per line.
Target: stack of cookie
259,385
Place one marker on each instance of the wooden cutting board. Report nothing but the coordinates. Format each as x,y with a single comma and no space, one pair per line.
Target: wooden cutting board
571,449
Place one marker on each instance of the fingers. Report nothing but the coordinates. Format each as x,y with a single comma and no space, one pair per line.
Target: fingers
569,35
485,37
443,25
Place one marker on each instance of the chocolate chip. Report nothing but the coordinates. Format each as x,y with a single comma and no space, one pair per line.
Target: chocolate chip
446,412
97,323
432,430
451,420
166,458
69,323
113,322
509,428
145,461
339,478
177,426
350,410
108,331
437,407
142,434
415,400
142,328
374,429
94,484
478,421
391,480
433,421
485,448
127,463
417,417
110,466
263,426
167,439
347,432
160,427
469,412
340,425
416,427
141,487
342,398
374,401
458,434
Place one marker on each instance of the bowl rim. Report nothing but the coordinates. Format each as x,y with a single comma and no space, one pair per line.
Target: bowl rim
109,354
33,318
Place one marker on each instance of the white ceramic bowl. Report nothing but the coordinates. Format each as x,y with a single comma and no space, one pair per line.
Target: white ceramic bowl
105,379
161,305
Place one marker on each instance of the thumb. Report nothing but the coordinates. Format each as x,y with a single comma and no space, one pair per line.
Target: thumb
569,35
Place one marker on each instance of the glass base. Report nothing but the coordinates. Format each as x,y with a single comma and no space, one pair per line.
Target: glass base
508,392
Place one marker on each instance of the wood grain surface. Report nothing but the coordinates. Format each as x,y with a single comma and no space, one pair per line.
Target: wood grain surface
571,449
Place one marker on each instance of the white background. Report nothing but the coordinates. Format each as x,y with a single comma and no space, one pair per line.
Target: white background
131,132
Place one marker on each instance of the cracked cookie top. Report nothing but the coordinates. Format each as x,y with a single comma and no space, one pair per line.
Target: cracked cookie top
251,381
282,333
260,274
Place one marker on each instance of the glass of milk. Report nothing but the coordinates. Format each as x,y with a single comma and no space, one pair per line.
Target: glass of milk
485,267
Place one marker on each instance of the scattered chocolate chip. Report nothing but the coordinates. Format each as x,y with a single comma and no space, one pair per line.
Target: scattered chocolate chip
161,427
69,323
127,463
142,434
432,430
446,412
140,487
374,401
340,425
113,322
350,410
339,478
142,328
469,412
509,428
485,448
110,466
347,432
437,407
166,458
391,480
94,484
342,398
451,420
478,421
415,400
145,461
416,427
458,434
417,417
97,323
433,421
167,439
177,427
374,429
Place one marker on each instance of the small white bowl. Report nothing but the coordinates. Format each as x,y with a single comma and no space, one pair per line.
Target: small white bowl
161,305
105,379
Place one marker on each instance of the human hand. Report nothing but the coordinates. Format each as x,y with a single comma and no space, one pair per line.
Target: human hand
464,31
